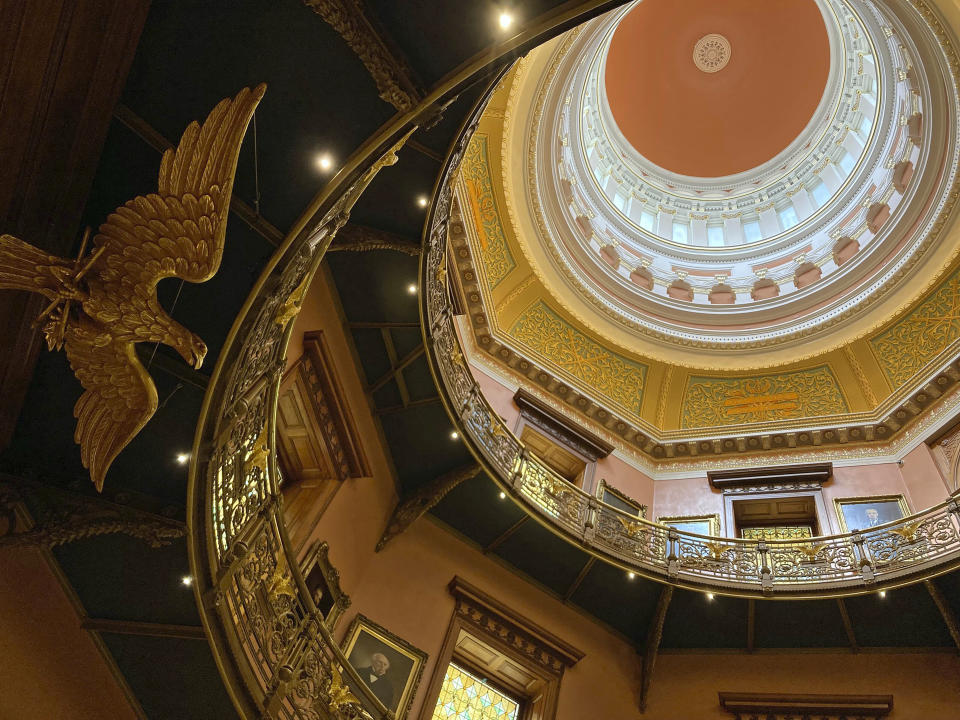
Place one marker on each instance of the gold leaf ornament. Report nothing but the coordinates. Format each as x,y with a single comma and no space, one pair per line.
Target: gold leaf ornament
103,304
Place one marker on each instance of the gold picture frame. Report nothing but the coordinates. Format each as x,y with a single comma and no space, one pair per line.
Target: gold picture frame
618,499
882,504
398,684
693,523
323,583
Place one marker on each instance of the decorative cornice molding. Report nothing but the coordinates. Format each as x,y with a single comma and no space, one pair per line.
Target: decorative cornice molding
38,515
392,75
497,620
781,477
560,427
362,238
411,508
777,706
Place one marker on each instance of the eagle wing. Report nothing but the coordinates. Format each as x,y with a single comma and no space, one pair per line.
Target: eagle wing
179,231
119,395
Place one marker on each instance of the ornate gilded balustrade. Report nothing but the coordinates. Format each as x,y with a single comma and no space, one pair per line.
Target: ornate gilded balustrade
276,655
904,551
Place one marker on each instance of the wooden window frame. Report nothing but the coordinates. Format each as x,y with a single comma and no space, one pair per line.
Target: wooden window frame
523,642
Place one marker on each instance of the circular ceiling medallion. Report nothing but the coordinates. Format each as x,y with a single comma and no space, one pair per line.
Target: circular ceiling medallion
711,53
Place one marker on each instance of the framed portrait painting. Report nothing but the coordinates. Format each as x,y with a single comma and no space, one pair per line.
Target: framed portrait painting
699,524
863,513
390,666
323,583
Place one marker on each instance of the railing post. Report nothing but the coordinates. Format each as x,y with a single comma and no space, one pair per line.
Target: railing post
866,564
590,520
766,574
673,566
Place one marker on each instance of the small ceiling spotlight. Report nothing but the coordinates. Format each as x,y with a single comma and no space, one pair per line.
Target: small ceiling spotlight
324,162
505,20
412,288
709,596
883,593
182,458
630,576
187,580
454,435
503,495
423,201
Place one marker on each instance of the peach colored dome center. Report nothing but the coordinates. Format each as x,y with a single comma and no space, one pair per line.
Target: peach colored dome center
712,124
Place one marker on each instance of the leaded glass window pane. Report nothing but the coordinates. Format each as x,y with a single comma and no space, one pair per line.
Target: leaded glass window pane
464,696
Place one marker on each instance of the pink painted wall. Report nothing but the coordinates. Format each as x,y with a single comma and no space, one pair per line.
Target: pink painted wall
925,484
49,667
924,686
685,496
405,590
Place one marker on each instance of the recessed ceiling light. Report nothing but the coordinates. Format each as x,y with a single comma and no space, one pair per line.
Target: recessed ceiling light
422,201
883,593
412,288
503,495
187,580
709,596
324,162
454,435
505,20
630,576
182,458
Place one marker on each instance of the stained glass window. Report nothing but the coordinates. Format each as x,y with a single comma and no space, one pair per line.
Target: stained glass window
466,697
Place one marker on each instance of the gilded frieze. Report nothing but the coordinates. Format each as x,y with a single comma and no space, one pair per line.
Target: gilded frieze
716,401
921,335
495,253
605,372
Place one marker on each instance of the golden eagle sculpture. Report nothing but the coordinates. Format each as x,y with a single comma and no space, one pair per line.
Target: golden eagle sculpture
104,303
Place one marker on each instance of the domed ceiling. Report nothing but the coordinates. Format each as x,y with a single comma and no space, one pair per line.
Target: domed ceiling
723,230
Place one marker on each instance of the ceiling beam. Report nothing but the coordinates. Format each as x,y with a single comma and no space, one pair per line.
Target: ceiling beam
421,500
505,535
64,66
396,368
150,135
392,356
378,325
652,645
751,623
363,238
577,581
369,41
145,629
390,410
847,625
946,612
424,150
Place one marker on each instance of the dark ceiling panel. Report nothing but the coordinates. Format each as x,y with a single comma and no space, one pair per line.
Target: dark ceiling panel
173,679
906,617
627,605
390,202
693,621
419,380
543,555
374,362
438,36
805,623
387,396
319,96
419,439
474,509
373,285
406,340
121,578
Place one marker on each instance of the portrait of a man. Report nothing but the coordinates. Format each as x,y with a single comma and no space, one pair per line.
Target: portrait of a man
871,512
388,665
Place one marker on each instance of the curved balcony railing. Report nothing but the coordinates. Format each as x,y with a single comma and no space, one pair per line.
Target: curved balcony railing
273,649
900,552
